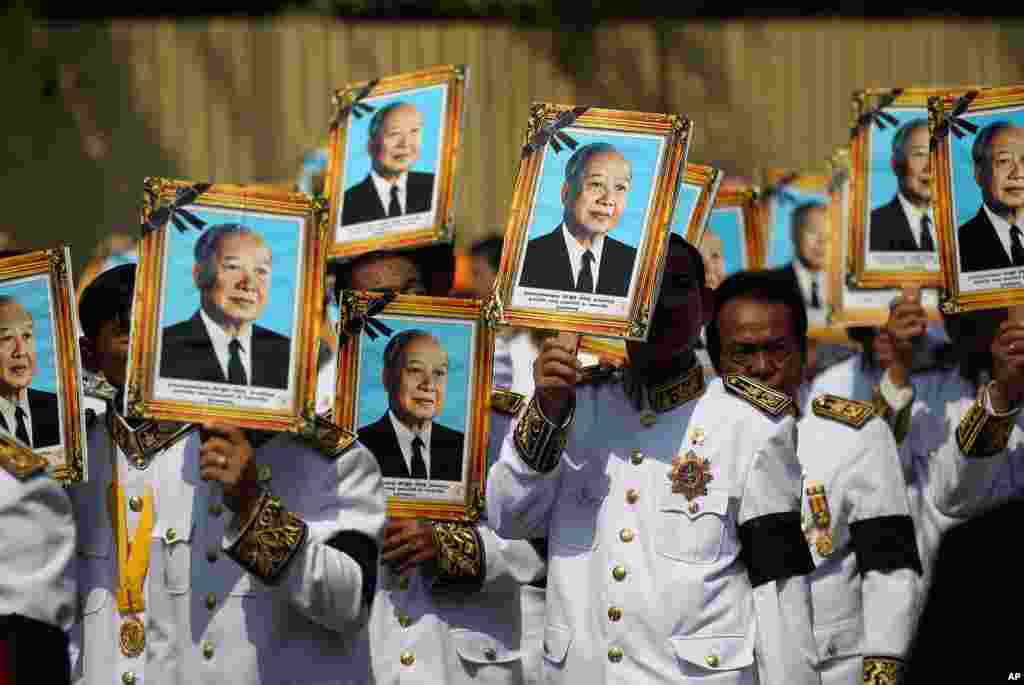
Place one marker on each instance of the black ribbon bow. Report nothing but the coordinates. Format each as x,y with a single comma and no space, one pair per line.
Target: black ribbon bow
838,179
951,120
778,190
365,320
553,133
876,114
355,105
174,213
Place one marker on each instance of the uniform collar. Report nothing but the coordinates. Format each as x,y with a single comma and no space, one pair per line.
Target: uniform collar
662,396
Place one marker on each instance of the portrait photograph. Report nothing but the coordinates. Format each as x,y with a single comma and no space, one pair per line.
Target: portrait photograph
390,169
230,322
590,223
417,398
697,195
980,201
731,240
40,370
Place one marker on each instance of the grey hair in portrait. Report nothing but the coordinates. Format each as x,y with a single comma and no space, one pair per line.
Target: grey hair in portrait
578,163
798,219
981,150
899,141
206,248
396,346
377,120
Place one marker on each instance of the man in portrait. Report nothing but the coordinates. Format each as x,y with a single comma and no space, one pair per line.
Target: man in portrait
32,416
407,441
992,239
712,249
579,255
221,343
904,224
808,227
391,188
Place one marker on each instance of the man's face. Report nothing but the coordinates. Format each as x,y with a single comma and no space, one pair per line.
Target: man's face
916,181
109,352
601,198
417,388
712,249
679,314
483,276
758,341
396,147
1005,186
813,239
388,272
17,349
241,279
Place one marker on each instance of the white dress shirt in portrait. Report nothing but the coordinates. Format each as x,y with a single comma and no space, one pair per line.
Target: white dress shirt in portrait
384,186
914,215
405,437
1002,227
221,340
576,252
7,408
805,277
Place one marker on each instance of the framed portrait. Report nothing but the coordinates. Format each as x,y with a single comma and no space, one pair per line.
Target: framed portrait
40,368
225,320
731,240
696,200
589,223
979,197
390,179
851,304
418,397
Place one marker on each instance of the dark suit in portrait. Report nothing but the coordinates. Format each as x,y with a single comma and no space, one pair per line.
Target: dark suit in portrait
980,247
188,354
547,265
362,203
45,409
445,447
890,229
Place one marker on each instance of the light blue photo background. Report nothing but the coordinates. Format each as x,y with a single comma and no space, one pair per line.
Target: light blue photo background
965,190
689,193
33,294
429,101
883,182
727,223
457,339
641,152
780,239
282,234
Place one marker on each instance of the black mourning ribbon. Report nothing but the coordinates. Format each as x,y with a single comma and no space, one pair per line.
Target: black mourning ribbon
553,133
174,213
778,190
838,179
356,106
366,322
951,120
876,115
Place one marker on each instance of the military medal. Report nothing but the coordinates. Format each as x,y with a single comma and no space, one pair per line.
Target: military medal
690,475
821,518
133,637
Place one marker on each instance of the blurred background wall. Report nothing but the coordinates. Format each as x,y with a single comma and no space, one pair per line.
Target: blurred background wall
92,108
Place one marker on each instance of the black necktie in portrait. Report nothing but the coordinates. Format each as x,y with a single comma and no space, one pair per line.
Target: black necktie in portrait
585,283
394,208
419,467
21,432
1016,246
236,372
815,300
927,243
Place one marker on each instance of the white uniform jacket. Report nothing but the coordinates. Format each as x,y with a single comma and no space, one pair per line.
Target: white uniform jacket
211,621
865,585
645,586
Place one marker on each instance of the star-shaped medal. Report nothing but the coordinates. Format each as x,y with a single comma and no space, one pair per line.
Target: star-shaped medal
690,475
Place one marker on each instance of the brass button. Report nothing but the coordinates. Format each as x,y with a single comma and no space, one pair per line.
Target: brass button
403,583
263,473
619,573
404,621
207,650
135,503
615,655
490,654
637,457
614,614
632,496
128,678
626,535
216,509
211,601
407,658
172,535
694,507
711,660
212,554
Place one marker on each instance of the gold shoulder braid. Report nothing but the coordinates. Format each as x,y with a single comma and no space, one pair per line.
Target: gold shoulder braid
18,461
883,670
144,441
327,437
540,442
981,434
460,554
597,373
269,540
899,421
504,401
851,412
766,399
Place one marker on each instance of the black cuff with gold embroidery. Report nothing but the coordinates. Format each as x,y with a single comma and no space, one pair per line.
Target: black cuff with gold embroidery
883,670
269,540
981,434
540,442
460,555
899,421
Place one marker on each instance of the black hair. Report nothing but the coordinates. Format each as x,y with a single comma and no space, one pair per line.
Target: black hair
899,140
108,297
798,222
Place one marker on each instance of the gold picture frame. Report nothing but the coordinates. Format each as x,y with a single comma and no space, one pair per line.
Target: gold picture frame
40,283
439,93
655,146
278,398
972,279
736,212
705,181
363,403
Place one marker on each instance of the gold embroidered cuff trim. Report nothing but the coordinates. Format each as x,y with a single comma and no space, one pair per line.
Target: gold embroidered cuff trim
460,554
327,437
883,670
505,401
269,540
19,461
981,434
540,442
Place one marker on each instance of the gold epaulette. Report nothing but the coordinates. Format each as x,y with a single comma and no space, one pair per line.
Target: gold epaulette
771,402
981,434
505,401
269,540
851,412
883,670
324,435
460,554
18,461
597,373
